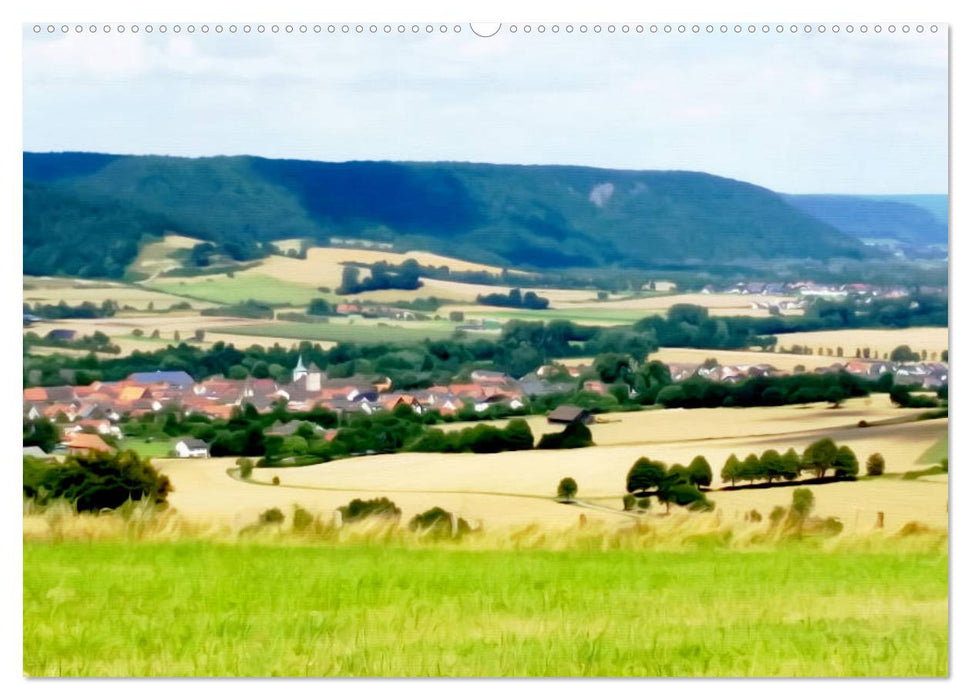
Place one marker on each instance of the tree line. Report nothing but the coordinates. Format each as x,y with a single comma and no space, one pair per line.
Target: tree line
820,457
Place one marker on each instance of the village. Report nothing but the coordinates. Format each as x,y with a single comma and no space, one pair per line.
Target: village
87,414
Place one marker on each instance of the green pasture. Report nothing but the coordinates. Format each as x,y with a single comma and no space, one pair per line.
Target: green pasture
146,448
935,453
223,289
340,331
194,608
591,315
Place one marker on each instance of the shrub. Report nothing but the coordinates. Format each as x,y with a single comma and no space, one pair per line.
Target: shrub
643,504
567,489
802,503
629,501
437,522
273,516
94,482
875,464
359,509
245,467
573,436
276,481
302,519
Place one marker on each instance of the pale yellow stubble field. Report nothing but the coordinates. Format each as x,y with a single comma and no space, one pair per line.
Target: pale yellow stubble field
120,329
157,256
786,362
53,290
931,339
515,487
717,304
701,424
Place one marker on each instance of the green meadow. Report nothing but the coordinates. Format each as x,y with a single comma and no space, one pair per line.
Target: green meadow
589,315
223,289
195,608
361,331
935,453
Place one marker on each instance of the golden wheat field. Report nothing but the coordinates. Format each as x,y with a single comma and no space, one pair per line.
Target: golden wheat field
717,304
157,256
517,488
920,338
120,329
52,290
785,361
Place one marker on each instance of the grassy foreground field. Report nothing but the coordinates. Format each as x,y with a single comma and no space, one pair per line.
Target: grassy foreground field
209,609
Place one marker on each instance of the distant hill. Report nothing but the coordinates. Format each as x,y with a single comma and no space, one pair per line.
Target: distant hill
936,204
537,216
907,219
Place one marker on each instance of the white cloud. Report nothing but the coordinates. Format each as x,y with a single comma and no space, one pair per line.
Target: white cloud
795,113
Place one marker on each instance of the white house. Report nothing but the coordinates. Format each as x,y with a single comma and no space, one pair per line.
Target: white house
191,447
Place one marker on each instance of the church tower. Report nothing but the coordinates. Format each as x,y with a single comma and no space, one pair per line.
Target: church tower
299,371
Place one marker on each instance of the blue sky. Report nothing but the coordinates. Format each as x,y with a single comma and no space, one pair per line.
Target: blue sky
796,113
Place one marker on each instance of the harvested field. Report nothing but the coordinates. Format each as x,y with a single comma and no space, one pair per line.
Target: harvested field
653,426
53,290
517,487
717,304
120,329
780,360
922,338
319,257
157,256
245,340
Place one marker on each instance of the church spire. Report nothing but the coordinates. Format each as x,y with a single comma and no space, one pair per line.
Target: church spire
300,370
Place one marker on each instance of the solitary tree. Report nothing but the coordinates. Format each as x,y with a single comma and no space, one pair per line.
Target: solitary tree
875,464
567,489
903,353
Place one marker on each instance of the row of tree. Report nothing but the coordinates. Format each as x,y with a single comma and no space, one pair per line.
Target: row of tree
383,276
62,310
820,457
514,299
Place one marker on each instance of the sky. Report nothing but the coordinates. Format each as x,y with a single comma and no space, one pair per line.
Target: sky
817,113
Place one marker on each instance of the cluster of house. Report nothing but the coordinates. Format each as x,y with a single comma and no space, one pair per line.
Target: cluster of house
377,311
924,375
87,413
811,290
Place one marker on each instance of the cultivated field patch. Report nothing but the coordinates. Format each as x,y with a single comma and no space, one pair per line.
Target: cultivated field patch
932,340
